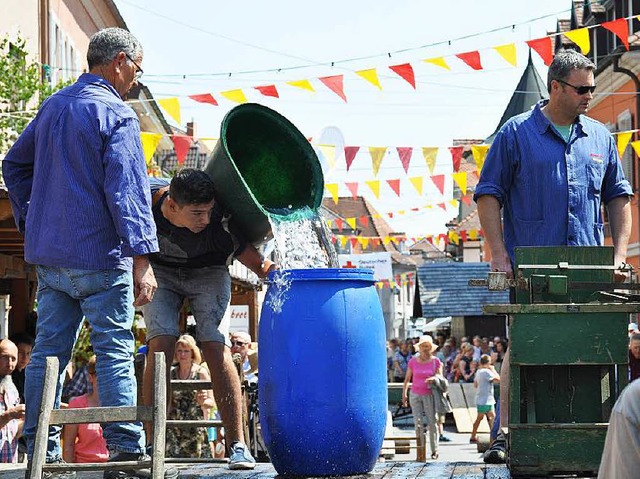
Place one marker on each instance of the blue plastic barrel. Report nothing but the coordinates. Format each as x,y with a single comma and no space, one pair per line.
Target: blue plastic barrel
322,391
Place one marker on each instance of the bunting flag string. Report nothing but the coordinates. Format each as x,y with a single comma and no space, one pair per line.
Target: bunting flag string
479,152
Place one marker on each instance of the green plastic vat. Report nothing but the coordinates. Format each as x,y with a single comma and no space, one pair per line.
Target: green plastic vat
262,163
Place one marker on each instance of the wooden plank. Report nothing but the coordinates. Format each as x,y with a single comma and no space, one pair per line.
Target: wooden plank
470,396
437,470
101,414
405,470
46,407
468,470
461,413
496,471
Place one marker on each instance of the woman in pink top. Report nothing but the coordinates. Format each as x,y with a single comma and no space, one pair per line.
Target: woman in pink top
421,372
84,442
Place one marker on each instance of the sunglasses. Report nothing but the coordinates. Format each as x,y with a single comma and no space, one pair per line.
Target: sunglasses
580,90
238,343
139,71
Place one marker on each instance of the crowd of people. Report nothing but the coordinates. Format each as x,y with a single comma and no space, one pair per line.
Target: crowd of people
460,359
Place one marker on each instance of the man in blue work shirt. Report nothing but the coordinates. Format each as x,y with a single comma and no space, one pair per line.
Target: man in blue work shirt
78,186
550,170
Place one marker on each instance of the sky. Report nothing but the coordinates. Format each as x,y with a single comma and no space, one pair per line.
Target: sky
199,46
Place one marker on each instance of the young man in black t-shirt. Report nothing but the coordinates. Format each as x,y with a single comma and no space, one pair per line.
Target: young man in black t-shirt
197,244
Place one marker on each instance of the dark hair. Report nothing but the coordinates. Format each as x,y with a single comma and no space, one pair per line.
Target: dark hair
635,337
564,62
485,359
191,187
21,338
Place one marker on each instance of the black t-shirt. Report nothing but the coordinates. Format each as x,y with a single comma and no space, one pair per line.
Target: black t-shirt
216,245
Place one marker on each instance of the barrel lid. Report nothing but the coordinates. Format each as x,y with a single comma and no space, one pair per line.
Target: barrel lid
319,274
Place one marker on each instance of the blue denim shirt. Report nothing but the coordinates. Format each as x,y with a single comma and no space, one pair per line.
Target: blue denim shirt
77,181
551,191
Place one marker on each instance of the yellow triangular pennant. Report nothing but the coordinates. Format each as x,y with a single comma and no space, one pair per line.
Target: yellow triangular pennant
455,203
343,241
371,75
149,144
172,107
377,155
581,38
479,153
386,240
303,84
365,243
454,237
329,152
430,154
461,180
333,189
209,143
636,147
375,187
623,141
473,234
508,52
439,61
235,95
351,222
417,182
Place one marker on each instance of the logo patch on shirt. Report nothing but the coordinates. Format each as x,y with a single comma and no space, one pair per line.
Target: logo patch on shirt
596,157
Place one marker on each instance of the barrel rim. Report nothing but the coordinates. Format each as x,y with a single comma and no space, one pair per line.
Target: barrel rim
266,111
324,274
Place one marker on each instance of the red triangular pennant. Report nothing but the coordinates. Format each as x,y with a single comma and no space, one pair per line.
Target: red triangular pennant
204,98
335,84
354,241
364,221
443,206
395,185
472,59
350,154
353,188
405,71
181,143
404,152
456,156
543,47
466,199
621,28
268,90
463,235
338,223
390,215
438,180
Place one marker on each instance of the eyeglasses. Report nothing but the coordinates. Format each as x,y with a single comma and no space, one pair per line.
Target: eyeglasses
139,71
580,90
238,343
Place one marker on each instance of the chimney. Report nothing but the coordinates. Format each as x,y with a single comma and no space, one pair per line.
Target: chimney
191,129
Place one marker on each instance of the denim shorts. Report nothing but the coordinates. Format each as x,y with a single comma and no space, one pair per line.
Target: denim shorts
208,290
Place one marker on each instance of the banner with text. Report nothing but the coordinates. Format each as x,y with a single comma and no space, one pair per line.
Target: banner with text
380,263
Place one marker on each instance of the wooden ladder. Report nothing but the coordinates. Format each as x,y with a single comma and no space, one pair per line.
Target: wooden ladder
156,414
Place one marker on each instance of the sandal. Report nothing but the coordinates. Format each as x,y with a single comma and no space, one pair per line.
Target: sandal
434,455
473,439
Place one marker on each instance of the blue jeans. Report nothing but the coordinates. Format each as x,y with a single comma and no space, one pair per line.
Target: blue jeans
105,298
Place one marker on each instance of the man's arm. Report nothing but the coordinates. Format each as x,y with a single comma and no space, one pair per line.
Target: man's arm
17,172
255,262
491,222
619,210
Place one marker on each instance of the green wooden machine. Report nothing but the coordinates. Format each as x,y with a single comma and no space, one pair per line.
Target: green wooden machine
569,356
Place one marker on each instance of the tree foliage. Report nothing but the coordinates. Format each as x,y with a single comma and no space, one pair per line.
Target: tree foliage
22,90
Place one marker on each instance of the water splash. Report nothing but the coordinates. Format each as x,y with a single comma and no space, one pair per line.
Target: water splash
280,284
302,239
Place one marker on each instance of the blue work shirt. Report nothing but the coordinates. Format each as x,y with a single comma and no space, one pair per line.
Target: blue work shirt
551,191
77,181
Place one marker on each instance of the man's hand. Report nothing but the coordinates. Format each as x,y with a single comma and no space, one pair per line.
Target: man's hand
16,412
502,263
144,281
620,276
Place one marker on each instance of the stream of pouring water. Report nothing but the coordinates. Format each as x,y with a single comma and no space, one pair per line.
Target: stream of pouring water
302,241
